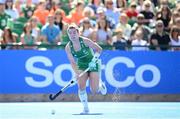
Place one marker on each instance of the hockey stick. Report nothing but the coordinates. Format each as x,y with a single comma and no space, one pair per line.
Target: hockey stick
52,97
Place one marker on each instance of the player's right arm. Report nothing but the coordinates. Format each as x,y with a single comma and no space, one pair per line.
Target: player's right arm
71,59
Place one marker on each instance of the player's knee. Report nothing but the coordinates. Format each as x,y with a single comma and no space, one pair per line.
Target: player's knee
81,86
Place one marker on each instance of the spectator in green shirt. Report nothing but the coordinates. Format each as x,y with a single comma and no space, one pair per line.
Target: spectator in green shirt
28,9
3,16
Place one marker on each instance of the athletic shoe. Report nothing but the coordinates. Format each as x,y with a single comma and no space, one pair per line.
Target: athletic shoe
85,111
102,88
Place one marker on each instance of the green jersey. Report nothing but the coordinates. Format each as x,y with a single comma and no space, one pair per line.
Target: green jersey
83,56
28,11
4,20
29,40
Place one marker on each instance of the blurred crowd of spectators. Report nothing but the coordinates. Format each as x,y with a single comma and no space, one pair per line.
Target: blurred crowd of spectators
114,24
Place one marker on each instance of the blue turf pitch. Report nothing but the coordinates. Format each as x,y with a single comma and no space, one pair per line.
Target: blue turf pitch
98,110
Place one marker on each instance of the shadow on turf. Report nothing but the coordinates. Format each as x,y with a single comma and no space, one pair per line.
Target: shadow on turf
89,114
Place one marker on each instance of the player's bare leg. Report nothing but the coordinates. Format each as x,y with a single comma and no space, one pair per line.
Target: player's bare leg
96,84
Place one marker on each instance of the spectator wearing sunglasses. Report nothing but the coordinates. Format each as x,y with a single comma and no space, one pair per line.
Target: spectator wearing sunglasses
160,39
